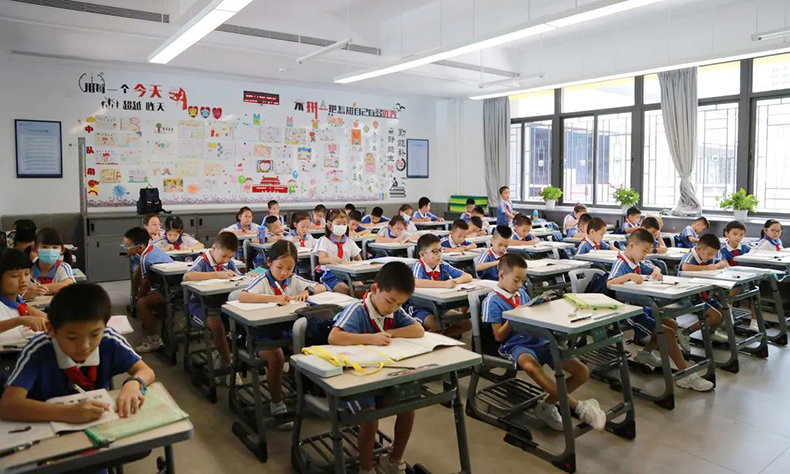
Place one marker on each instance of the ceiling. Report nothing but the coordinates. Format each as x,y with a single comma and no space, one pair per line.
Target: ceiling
665,33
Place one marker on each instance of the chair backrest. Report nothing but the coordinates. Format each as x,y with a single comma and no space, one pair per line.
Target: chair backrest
662,265
581,278
483,341
313,319
676,240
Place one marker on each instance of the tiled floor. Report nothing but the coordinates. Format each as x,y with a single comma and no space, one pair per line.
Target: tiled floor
743,427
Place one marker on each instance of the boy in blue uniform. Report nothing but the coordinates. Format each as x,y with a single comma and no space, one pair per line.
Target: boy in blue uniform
456,239
375,321
149,296
580,231
476,227
79,353
690,235
215,263
631,266
652,225
572,219
522,228
596,229
631,222
274,210
470,207
319,216
530,353
423,213
375,216
431,272
734,232
486,264
504,212
15,314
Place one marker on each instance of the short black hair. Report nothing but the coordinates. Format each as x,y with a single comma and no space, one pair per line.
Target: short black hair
641,236
579,208
350,207
477,220
470,201
734,225
297,217
521,220
281,249
396,220
768,224
405,207
503,188
509,261
227,241
24,230
270,220
596,224
651,223
424,201
503,231
355,216
242,211
702,220
709,240
426,241
174,223
319,208
334,214
49,236
395,276
584,219
632,211
479,210
138,236
377,212
271,204
459,224
80,302
12,259
148,217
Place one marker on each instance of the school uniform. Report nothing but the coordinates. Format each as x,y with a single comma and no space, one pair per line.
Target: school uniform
683,238
368,219
205,264
565,226
308,241
728,253
279,216
572,231
588,245
448,243
428,215
361,317
10,309
516,344
387,232
60,271
318,222
359,229
184,240
443,272
151,256
643,324
486,257
466,216
344,248
45,371
693,258
411,227
502,211
265,284
628,226
517,238
655,245
237,227
767,243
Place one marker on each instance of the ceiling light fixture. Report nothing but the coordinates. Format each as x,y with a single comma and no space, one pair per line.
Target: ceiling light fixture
514,81
324,50
773,34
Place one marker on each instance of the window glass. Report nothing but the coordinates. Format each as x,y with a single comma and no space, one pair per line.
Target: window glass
599,95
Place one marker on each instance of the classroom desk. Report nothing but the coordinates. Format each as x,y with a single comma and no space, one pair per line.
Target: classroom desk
541,249
407,393
317,232
251,401
747,283
550,321
79,455
780,264
78,275
551,272
364,270
604,258
433,225
675,297
462,260
170,273
542,232
606,238
480,241
393,249
490,220
440,300
362,241
185,255
42,302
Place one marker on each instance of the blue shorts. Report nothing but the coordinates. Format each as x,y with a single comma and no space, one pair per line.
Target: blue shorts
643,324
711,302
329,280
420,314
356,406
271,334
213,305
541,353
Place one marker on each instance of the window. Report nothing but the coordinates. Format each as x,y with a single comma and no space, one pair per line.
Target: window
514,178
772,147
613,160
661,182
578,159
599,95
533,104
771,73
715,80
537,158
652,89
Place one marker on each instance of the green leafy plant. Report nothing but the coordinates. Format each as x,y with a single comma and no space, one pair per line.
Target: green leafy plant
625,196
738,201
551,193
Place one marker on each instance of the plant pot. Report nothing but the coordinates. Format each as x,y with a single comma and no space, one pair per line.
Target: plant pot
550,203
741,215
625,208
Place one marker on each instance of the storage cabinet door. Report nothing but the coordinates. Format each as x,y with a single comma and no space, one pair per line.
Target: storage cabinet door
105,262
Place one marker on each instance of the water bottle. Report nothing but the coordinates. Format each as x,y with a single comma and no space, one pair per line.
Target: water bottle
534,214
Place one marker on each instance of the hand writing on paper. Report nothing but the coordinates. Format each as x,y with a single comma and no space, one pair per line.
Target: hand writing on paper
656,275
226,274
85,411
635,278
380,339
34,323
450,283
282,300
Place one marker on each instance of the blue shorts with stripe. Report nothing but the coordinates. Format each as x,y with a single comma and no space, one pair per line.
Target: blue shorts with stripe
643,324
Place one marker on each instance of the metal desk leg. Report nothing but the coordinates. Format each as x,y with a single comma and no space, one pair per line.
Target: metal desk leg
296,433
170,464
460,426
567,460
731,365
337,438
781,337
626,428
667,399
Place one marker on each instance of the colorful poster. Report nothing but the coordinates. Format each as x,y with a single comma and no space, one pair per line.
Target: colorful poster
370,163
105,123
265,166
105,139
173,185
295,136
191,149
105,156
271,134
111,176
244,149
356,137
131,157
128,140
162,168
284,162
163,147
304,153
213,169
188,168
130,124
220,129
263,152
247,131
138,176
163,127
191,130
219,151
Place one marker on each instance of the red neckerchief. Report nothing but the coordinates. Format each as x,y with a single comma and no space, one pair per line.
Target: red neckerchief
80,378
148,249
217,268
595,246
388,322
468,215
435,275
46,279
301,240
491,252
278,289
509,207
514,301
339,247
637,269
19,305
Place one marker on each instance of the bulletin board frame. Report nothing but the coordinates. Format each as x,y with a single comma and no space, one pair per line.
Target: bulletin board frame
20,158
415,163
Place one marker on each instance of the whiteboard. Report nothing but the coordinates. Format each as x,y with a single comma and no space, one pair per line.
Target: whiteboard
38,149
416,158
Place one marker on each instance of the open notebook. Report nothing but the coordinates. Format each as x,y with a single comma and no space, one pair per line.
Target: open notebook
592,301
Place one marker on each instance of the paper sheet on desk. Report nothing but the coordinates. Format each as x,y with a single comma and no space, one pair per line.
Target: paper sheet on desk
173,266
399,348
100,395
120,324
250,306
17,433
15,338
328,297
726,284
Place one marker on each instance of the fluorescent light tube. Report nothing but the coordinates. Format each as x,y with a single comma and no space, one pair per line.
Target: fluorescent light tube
324,50
771,34
599,10
234,6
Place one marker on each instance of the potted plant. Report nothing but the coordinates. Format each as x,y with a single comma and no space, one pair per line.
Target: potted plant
740,203
550,194
625,197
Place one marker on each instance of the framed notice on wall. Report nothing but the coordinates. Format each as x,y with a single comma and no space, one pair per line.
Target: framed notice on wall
38,149
416,158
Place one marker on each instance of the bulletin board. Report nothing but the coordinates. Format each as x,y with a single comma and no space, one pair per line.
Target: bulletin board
39,152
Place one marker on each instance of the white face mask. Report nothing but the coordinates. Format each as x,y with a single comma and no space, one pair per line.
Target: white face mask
339,230
405,217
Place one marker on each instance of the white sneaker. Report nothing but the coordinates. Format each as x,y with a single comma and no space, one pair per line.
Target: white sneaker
684,339
695,382
280,409
648,358
719,336
590,412
150,344
238,381
386,466
753,326
549,414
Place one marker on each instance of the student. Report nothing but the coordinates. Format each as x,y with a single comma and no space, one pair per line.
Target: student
300,230
630,266
423,213
374,321
431,272
244,225
14,280
476,227
470,206
272,230
375,216
395,232
456,239
652,225
25,236
486,263
478,212
355,227
319,216
278,285
216,263
572,219
153,225
771,236
596,229
336,248
734,232
504,213
78,351
631,222
703,257
350,208
522,226
580,229
688,238
530,353
274,210
49,269
406,212
175,238
149,295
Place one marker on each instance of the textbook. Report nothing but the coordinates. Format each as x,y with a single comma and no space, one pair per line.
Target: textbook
592,301
329,297
101,395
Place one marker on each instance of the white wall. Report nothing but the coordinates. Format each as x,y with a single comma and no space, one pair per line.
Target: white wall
46,89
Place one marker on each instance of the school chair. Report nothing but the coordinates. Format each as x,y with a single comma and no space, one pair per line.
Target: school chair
580,279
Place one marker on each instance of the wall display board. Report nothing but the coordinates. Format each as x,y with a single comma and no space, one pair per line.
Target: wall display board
39,152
